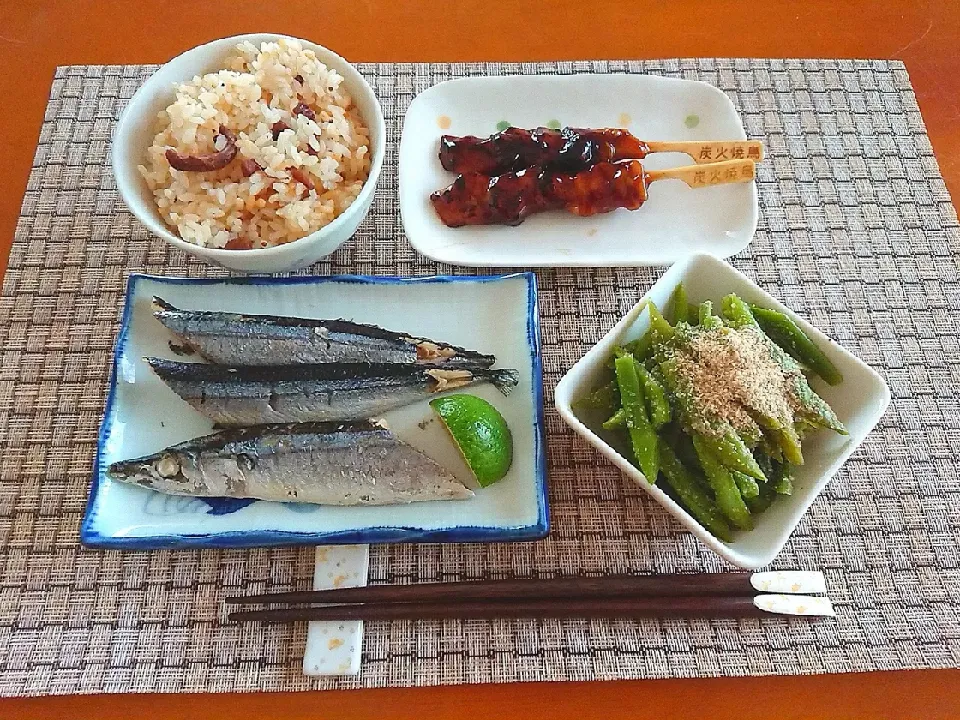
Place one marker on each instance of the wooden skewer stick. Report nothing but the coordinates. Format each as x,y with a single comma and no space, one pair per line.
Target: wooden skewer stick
698,176
711,151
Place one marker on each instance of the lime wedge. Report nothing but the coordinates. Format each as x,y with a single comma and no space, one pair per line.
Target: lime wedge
481,434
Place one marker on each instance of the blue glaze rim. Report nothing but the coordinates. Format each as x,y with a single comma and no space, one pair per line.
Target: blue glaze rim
90,537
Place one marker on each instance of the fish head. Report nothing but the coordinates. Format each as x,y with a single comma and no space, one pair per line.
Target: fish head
162,470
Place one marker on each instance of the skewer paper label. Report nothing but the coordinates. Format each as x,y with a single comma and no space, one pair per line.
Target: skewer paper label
733,150
716,176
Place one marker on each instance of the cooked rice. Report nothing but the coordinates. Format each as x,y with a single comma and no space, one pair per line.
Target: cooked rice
259,87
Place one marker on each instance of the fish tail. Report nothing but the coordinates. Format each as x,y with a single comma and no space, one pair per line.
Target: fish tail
161,305
468,358
163,367
505,380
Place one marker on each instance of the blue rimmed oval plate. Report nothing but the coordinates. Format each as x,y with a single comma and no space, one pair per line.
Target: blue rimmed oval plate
496,315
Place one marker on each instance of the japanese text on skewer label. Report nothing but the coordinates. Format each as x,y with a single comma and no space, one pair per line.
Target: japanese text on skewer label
733,150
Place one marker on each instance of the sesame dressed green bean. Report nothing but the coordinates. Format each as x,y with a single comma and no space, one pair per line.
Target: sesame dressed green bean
661,329
617,420
692,496
715,405
788,335
642,435
725,489
678,309
705,316
748,486
658,406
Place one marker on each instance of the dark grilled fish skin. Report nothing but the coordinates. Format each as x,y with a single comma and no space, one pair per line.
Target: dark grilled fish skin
235,339
314,393
322,463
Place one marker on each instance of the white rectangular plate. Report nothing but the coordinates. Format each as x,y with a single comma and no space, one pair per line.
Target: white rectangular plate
675,221
493,314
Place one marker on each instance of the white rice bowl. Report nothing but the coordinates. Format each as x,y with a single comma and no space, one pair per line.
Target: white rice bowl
260,86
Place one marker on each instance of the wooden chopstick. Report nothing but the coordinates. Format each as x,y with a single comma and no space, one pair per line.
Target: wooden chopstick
610,586
664,606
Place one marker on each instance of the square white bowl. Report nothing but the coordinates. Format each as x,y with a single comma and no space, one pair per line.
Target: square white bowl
859,401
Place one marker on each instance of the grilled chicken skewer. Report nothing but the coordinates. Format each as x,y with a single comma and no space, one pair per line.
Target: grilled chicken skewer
508,199
574,149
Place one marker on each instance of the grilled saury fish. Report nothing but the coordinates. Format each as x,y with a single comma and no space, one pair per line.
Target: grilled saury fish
235,339
309,393
322,463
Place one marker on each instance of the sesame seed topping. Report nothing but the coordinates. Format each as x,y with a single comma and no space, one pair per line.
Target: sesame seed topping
732,379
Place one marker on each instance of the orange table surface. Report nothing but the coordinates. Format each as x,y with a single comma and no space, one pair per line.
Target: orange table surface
35,37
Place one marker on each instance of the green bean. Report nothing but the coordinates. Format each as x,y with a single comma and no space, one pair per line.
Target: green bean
671,378
724,486
730,450
736,312
747,486
705,316
694,499
642,435
789,442
663,331
788,335
605,399
770,449
658,406
784,486
764,461
814,409
653,367
783,480
678,306
692,314
682,444
762,501
642,347
617,420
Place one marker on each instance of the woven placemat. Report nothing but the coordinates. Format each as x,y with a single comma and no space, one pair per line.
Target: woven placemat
857,233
